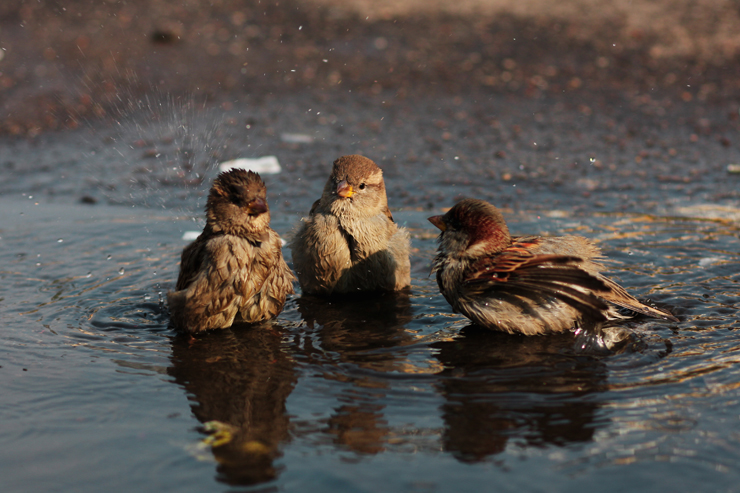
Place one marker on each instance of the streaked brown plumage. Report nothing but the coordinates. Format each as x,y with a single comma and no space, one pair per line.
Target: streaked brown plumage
527,284
349,242
235,269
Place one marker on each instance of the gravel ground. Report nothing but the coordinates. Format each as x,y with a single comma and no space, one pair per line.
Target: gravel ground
580,106
63,62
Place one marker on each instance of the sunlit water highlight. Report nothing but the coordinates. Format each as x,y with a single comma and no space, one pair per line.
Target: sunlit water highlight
97,389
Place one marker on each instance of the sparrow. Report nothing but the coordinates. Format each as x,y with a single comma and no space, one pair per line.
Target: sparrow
235,269
349,242
524,284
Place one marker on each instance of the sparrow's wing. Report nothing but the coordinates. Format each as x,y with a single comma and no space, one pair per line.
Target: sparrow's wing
221,282
620,297
517,272
190,263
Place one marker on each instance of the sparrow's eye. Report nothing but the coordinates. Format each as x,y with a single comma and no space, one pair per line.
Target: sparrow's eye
362,186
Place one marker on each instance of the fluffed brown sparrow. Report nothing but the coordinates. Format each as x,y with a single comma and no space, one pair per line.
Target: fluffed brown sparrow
349,242
235,269
523,284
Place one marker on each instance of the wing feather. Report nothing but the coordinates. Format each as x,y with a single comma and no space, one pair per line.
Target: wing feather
539,278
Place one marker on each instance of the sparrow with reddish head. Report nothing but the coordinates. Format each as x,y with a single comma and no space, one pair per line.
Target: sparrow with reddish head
524,284
233,271
349,242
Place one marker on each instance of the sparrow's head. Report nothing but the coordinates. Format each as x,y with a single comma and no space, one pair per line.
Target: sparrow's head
237,204
472,228
355,187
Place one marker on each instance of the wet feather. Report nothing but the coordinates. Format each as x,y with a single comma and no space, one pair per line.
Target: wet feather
529,284
349,242
233,271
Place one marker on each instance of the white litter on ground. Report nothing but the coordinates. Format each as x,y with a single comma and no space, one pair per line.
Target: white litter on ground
267,165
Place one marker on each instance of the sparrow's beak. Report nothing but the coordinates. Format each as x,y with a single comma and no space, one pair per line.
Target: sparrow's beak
438,221
344,189
256,207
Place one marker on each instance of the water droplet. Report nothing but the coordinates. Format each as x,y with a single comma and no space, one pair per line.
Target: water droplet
109,257
89,274
60,240
121,270
147,297
593,159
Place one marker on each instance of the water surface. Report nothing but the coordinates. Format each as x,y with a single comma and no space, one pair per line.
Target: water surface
395,393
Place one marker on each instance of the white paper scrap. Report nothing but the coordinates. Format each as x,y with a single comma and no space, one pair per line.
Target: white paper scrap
267,165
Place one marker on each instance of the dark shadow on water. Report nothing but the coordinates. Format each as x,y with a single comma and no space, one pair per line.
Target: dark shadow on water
532,391
353,324
356,341
499,390
238,380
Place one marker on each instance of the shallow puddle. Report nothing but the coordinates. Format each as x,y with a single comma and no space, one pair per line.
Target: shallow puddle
97,389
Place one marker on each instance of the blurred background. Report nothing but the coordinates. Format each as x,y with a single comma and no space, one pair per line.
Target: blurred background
65,61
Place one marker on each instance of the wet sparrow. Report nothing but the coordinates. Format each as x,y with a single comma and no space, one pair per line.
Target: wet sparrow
235,269
525,284
349,242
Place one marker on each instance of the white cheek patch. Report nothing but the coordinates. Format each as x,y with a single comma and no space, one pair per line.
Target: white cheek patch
477,250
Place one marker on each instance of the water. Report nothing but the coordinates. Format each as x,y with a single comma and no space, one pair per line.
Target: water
398,392
391,394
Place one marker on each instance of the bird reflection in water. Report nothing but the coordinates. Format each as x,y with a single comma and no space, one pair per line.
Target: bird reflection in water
353,339
499,390
539,391
238,380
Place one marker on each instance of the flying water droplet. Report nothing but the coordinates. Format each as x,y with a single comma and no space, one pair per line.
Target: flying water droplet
121,270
